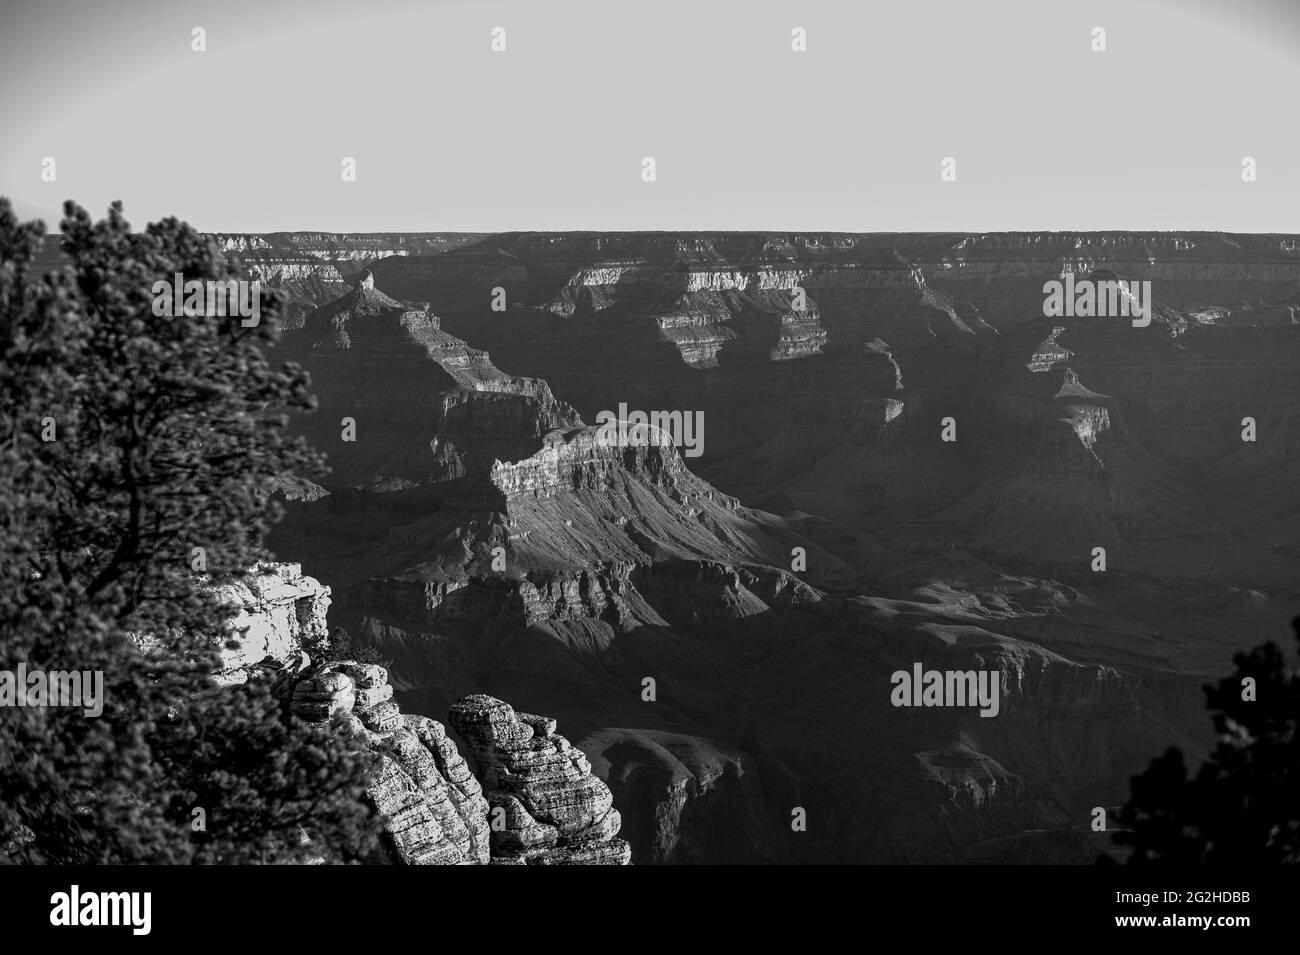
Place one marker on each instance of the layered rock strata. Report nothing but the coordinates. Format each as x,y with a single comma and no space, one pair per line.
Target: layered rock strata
436,813
547,806
542,804
423,408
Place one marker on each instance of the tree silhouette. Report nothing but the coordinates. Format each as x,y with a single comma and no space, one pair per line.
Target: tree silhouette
1243,805
135,448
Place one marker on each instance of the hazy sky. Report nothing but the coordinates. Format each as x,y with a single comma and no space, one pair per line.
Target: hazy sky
745,133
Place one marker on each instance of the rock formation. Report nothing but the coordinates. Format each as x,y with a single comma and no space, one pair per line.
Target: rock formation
436,814
280,611
542,804
547,806
372,355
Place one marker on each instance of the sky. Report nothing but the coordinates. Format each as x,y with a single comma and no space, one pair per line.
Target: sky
746,133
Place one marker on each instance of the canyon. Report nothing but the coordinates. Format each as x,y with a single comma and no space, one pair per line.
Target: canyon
907,460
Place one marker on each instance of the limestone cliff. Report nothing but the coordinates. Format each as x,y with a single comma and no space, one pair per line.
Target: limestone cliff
548,807
279,611
433,806
542,804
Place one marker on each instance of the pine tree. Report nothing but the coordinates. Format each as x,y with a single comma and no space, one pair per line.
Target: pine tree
1243,805
128,440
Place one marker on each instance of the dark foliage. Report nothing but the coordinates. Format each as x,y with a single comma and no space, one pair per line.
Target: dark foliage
137,450
1243,805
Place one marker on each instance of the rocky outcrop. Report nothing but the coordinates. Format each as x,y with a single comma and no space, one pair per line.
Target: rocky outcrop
579,460
434,807
1084,408
543,805
1050,353
279,611
547,806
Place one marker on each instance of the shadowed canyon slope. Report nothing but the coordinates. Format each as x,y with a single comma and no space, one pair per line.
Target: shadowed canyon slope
904,461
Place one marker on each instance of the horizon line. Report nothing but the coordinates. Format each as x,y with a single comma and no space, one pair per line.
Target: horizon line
709,231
